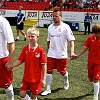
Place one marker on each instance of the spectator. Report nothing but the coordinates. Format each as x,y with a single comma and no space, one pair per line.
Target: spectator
87,22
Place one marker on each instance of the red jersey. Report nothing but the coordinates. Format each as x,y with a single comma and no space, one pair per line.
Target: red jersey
33,60
93,45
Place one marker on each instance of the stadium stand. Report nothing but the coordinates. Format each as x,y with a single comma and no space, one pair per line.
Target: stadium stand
68,5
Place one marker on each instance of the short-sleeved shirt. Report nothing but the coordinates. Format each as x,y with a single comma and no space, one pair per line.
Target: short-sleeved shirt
33,60
88,19
58,36
20,16
93,45
6,36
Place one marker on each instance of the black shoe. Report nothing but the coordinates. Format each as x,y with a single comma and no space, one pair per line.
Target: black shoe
17,40
24,39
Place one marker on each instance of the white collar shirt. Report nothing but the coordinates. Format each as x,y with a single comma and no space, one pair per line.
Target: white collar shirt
58,37
6,36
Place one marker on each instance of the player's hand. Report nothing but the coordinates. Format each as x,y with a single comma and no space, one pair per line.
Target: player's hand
73,57
43,83
18,24
9,65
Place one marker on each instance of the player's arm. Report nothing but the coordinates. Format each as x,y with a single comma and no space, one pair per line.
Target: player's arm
11,47
15,64
82,51
48,43
44,71
72,54
20,21
22,18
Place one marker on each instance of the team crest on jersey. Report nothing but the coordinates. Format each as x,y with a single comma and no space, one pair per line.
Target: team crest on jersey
37,54
59,29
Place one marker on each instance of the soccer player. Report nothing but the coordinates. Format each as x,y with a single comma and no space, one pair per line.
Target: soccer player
7,47
92,44
20,24
57,56
34,58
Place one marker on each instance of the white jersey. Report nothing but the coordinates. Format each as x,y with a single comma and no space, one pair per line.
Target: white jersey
58,37
6,36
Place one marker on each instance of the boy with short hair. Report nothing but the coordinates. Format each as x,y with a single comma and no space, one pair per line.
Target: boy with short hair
34,57
92,44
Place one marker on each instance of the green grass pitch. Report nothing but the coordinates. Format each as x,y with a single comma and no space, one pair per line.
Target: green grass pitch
80,87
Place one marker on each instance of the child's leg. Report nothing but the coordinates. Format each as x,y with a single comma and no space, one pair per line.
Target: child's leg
33,97
96,90
9,92
24,96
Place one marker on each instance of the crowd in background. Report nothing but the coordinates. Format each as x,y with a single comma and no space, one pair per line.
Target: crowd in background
79,3
67,3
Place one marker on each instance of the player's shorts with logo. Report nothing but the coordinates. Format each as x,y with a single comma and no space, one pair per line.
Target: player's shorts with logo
5,75
34,87
94,71
59,64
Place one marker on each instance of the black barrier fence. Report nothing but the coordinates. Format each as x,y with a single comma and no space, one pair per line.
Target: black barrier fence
12,20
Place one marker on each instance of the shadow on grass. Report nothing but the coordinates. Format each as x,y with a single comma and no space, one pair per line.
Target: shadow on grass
76,98
57,90
17,90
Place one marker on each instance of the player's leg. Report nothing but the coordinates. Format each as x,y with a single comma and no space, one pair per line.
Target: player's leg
96,78
50,67
61,67
33,97
23,89
96,90
85,26
22,31
89,28
94,74
18,32
24,96
9,92
35,89
66,81
23,34
6,78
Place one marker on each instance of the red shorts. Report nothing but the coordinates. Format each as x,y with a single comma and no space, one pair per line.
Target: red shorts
5,75
94,71
35,88
59,64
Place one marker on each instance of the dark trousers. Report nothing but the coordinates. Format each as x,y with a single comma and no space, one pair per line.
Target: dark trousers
87,25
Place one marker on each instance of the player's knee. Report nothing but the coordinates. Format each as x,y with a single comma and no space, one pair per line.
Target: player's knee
22,95
49,71
62,73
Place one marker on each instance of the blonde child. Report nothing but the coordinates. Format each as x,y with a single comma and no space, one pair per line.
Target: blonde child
34,59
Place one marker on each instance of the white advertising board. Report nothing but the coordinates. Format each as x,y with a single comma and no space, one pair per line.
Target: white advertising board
45,15
70,16
30,14
9,13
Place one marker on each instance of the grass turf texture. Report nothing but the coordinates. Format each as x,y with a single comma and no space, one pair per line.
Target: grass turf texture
80,88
